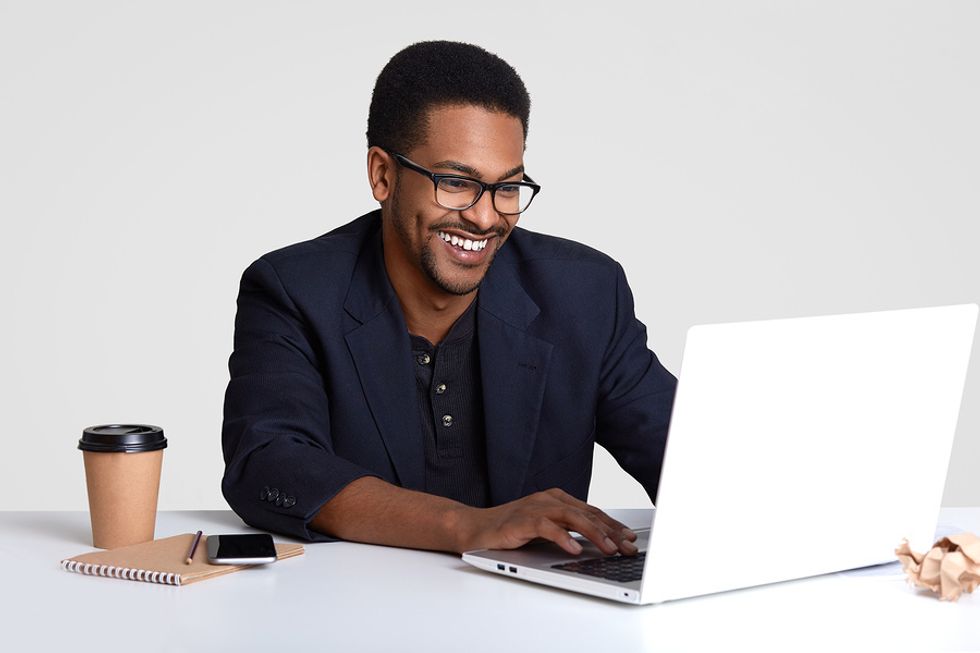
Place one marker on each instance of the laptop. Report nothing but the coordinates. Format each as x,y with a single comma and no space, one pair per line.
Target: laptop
796,447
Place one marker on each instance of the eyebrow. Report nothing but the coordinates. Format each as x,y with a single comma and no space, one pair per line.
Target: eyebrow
473,172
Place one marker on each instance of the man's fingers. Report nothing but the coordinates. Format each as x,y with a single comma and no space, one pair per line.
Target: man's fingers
614,529
593,530
613,524
555,523
551,515
549,530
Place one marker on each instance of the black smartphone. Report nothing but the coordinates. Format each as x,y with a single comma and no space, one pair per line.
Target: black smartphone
248,549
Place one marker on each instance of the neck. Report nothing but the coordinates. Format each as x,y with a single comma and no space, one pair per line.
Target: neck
429,311
431,322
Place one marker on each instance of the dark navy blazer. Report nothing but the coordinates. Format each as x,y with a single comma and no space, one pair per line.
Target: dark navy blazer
322,388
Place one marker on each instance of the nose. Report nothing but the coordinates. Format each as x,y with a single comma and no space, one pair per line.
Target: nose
482,214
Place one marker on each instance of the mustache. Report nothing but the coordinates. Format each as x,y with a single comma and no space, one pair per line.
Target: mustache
467,230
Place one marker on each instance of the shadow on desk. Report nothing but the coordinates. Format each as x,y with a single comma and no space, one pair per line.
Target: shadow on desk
226,518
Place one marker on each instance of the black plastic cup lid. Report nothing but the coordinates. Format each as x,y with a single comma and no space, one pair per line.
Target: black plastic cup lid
122,437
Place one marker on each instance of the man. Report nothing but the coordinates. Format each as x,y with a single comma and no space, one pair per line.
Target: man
430,375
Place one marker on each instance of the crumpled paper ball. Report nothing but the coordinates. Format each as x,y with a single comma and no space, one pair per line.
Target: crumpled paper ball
951,566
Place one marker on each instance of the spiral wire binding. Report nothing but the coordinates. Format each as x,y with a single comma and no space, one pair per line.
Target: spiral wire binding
143,575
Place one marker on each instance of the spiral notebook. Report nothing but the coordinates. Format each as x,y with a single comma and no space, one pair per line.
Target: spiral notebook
160,561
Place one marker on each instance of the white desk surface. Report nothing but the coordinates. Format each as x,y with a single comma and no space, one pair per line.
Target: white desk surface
355,597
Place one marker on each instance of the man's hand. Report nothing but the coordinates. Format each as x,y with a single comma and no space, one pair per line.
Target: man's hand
550,515
372,510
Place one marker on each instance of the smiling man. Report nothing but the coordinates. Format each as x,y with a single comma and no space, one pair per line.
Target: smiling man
430,375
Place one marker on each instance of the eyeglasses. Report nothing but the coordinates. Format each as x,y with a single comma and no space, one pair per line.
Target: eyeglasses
460,193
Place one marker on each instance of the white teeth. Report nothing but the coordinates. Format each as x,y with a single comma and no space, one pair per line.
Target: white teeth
464,243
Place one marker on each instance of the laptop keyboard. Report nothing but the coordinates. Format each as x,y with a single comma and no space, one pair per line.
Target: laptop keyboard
619,568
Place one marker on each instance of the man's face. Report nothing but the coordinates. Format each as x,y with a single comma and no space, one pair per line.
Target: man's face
462,140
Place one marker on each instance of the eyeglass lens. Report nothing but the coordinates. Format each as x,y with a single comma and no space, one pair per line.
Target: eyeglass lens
459,194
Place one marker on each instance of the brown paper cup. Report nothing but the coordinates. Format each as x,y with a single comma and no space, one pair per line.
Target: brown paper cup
122,472
122,496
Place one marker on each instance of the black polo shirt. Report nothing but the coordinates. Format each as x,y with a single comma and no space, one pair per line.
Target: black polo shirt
447,380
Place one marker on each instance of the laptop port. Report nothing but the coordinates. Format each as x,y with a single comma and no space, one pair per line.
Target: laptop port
513,570
500,567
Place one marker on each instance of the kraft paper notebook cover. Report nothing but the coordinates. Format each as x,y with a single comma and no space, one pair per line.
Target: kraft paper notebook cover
160,561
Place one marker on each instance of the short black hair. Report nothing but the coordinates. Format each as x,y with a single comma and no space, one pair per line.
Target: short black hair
434,73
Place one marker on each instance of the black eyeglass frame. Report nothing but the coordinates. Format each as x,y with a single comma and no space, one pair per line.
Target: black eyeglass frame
484,187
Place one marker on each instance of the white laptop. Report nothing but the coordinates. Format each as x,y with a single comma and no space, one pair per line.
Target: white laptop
797,447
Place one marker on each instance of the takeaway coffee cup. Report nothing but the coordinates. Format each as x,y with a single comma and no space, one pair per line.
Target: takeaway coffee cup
122,472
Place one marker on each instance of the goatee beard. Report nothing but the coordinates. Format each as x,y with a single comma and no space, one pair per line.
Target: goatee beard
427,259
429,267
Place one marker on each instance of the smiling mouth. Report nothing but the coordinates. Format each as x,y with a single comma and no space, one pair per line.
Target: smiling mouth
466,244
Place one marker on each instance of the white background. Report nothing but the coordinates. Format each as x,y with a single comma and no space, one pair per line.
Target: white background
743,160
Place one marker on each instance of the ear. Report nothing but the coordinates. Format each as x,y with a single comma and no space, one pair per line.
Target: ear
381,173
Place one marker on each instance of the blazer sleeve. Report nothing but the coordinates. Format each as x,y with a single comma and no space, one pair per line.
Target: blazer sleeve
636,396
280,466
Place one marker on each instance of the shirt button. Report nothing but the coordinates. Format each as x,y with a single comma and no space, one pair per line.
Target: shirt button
423,359
440,388
447,420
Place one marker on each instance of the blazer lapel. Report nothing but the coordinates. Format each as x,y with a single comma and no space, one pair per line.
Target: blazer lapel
388,381
513,368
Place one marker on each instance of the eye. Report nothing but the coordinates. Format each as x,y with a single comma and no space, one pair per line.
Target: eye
509,191
454,185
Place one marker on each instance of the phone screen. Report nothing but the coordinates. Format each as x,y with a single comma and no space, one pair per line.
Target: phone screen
256,545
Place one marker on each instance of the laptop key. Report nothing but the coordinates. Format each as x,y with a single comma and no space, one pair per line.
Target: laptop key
619,568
